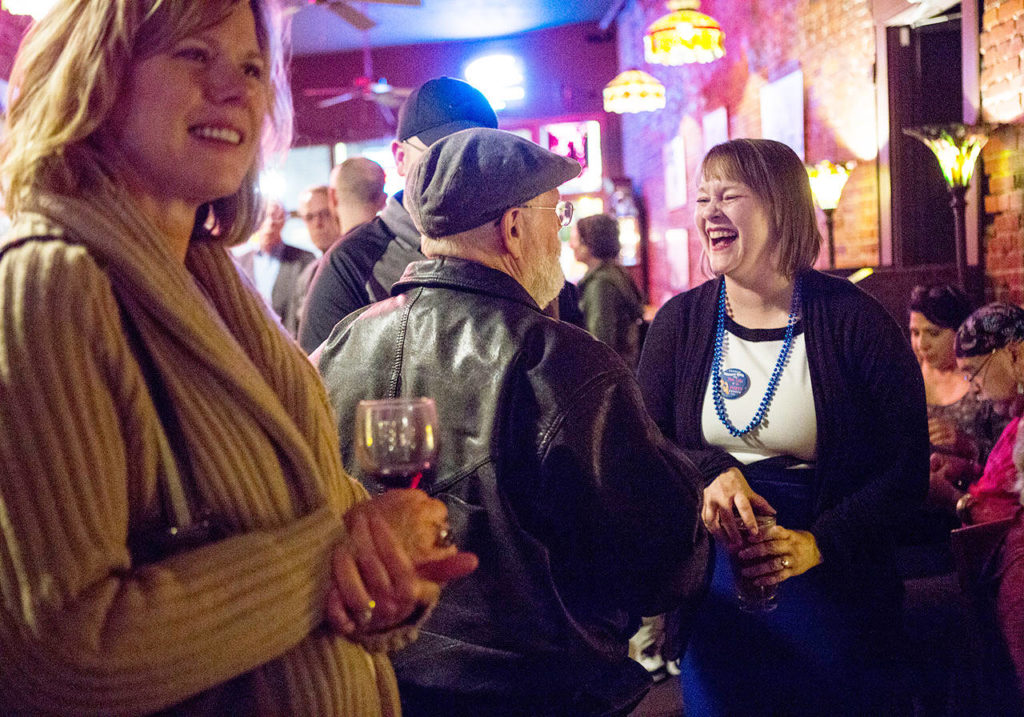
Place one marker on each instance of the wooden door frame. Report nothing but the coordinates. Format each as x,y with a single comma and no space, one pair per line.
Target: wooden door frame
886,14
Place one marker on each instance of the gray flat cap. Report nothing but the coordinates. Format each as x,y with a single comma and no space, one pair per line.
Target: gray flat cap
470,178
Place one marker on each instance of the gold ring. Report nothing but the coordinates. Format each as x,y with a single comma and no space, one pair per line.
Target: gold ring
785,562
364,616
444,537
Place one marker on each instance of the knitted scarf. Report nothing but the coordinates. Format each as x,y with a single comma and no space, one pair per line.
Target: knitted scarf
261,441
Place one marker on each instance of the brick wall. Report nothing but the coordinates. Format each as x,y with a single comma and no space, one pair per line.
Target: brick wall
1002,101
831,42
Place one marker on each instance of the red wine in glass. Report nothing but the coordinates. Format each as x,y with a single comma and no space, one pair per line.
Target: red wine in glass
411,477
396,441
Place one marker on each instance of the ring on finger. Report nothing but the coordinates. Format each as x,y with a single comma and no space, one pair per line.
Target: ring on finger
364,616
785,563
444,537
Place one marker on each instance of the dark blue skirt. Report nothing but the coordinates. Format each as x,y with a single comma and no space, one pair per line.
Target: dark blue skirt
823,650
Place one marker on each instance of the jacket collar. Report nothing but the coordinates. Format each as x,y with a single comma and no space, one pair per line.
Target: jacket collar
399,221
461,274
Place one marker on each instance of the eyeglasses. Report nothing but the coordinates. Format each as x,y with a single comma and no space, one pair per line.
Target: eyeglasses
563,209
322,215
970,377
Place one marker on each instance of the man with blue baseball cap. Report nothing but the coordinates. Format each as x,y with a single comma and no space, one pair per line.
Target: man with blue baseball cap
584,518
362,269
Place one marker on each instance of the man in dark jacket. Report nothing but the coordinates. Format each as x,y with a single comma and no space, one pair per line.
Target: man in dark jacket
363,268
583,516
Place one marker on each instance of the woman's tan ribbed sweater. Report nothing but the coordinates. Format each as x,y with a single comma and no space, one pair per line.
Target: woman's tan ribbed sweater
82,630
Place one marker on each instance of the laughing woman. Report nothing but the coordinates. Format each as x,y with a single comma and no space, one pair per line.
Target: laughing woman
176,530
797,396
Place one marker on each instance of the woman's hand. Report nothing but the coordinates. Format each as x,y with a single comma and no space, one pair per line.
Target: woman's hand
779,554
943,433
727,493
393,563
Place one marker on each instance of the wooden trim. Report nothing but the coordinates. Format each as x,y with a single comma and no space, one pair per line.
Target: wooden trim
970,61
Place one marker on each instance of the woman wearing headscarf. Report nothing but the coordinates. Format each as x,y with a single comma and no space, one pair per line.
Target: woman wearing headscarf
990,353
176,530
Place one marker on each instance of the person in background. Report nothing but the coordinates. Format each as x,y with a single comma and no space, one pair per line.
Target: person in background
316,212
362,269
177,534
356,192
799,397
990,353
990,359
584,516
612,306
959,423
273,266
318,215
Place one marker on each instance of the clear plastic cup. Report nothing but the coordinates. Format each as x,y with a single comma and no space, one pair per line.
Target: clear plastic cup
752,598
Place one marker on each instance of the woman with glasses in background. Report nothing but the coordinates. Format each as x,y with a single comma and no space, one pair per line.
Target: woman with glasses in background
990,353
990,358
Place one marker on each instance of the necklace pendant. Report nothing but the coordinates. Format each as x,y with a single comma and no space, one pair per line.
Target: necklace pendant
734,383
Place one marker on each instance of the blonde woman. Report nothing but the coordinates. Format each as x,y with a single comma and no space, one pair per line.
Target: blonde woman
176,530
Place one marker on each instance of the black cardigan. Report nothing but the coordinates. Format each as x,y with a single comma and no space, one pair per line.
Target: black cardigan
872,446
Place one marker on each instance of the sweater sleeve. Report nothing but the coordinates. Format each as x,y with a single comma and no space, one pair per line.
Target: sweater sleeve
84,631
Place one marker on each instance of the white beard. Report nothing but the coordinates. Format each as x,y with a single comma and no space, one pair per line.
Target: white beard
544,281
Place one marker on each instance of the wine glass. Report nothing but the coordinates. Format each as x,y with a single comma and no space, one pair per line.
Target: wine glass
396,440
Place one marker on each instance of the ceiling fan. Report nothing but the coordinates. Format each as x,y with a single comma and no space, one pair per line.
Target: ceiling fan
387,97
344,10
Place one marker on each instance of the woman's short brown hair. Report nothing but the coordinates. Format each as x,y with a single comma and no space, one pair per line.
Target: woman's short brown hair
600,234
69,72
778,178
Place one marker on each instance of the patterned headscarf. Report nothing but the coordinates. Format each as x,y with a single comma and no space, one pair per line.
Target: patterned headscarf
991,327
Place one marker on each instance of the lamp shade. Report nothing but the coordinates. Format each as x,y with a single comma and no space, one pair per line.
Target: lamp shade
683,36
633,91
956,146
827,182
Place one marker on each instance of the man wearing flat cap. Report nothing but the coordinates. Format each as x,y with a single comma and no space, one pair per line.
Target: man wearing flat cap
583,516
364,267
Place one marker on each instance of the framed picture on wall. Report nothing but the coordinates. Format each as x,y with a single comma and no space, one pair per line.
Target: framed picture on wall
715,125
674,156
782,111
582,142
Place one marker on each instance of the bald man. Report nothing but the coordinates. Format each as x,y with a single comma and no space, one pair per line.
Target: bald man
356,192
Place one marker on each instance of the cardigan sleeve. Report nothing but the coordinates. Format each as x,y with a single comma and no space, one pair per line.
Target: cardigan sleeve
84,631
656,373
878,458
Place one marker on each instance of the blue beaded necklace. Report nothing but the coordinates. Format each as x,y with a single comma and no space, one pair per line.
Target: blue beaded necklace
773,382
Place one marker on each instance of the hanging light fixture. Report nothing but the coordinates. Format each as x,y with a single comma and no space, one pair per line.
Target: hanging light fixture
633,91
35,8
827,182
683,36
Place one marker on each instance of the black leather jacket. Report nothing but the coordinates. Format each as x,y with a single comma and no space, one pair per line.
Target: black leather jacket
583,516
